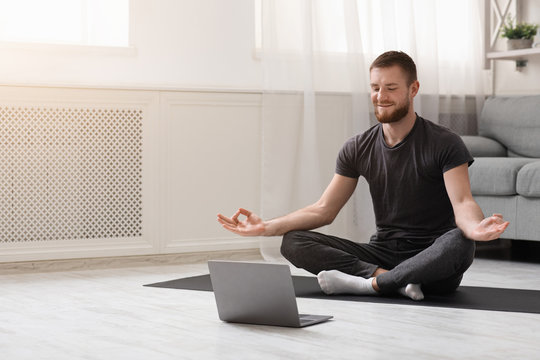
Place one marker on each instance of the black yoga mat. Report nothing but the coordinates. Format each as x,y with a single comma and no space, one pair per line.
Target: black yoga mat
465,297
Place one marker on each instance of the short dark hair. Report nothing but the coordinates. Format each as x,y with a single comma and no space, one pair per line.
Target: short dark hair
399,58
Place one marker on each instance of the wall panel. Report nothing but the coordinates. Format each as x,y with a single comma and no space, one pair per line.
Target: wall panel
211,164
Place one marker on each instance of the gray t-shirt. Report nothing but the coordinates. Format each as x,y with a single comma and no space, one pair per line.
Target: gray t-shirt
406,181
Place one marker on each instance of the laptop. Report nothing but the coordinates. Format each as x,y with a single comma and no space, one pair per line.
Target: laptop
257,293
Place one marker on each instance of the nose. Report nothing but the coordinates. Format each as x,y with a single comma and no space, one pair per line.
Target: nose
382,96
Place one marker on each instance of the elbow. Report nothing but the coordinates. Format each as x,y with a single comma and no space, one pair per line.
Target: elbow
328,219
325,214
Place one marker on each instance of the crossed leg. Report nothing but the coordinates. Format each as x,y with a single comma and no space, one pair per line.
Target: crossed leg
344,266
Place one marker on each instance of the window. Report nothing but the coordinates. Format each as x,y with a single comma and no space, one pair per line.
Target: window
382,25
328,15
72,22
444,37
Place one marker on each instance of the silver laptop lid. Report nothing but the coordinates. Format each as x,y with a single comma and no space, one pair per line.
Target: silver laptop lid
254,293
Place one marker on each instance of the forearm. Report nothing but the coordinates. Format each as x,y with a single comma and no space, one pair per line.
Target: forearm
323,212
308,218
468,216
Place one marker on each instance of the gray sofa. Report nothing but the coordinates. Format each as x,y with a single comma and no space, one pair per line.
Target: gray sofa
505,177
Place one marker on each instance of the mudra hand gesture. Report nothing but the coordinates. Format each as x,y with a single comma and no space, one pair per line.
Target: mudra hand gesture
251,226
490,228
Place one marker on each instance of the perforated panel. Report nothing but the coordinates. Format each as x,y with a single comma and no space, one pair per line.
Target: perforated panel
70,173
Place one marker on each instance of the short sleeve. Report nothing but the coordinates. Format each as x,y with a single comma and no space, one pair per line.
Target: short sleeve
346,160
455,153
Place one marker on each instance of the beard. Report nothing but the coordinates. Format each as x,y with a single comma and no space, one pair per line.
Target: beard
396,115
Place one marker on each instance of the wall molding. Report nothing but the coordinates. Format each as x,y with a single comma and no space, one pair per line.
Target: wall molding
216,119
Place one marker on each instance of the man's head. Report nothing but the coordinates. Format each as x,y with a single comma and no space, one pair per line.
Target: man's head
396,58
394,85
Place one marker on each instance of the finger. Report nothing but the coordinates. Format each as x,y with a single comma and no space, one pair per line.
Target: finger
233,229
504,226
493,235
497,231
235,216
489,222
225,219
223,222
244,212
494,220
497,220
498,215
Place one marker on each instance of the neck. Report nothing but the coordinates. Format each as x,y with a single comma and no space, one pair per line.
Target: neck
395,132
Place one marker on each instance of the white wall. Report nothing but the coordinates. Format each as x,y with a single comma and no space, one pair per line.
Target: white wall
177,44
508,81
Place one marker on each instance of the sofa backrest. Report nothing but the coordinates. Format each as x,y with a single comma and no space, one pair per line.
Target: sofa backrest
514,122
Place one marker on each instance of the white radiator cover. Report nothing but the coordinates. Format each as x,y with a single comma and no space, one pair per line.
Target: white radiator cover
70,173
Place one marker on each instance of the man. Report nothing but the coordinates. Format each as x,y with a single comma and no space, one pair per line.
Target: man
425,214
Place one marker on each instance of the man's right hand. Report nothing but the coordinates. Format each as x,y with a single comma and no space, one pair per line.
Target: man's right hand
251,226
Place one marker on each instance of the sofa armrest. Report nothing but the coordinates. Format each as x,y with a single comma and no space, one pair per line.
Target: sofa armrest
480,146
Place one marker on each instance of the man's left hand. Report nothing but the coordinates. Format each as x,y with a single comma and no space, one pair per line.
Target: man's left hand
490,228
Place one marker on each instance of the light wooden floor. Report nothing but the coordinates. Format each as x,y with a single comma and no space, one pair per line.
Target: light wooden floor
108,314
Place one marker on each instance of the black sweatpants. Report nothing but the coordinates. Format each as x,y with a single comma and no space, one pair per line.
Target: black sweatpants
438,265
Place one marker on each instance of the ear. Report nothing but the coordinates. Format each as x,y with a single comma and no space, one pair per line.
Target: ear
414,87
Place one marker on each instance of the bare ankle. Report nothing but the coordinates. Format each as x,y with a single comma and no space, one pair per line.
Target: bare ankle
374,285
379,271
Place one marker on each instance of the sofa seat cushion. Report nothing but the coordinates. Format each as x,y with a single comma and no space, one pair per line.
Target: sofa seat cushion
496,176
528,180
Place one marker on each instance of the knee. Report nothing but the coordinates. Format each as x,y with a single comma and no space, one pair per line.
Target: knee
463,247
455,245
469,250
289,244
460,242
467,246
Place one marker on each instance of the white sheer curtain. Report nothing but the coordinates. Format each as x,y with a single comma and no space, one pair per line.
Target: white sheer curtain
316,55
444,37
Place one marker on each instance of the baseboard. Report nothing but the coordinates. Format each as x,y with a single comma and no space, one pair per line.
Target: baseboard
125,261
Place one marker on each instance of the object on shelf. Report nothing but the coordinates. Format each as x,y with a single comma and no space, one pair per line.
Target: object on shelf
516,44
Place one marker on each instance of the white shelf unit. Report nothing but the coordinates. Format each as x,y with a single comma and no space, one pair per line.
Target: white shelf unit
495,13
521,54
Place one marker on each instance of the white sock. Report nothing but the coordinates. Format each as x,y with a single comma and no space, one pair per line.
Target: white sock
336,282
413,291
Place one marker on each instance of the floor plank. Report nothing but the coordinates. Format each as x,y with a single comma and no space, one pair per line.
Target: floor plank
108,314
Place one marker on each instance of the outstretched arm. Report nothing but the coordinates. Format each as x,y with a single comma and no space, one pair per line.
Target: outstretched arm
321,213
469,216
